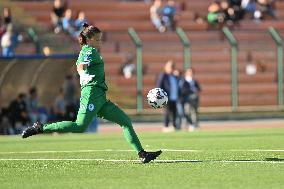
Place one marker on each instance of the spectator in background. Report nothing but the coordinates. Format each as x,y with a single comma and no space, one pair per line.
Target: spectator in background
69,94
9,42
198,18
235,2
230,13
265,7
57,14
34,111
251,67
68,24
235,11
128,68
249,7
5,126
215,16
169,15
189,90
156,15
18,113
7,17
169,82
179,114
1,29
81,19
224,11
59,107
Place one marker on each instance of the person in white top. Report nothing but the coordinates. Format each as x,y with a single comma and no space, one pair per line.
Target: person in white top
7,42
155,15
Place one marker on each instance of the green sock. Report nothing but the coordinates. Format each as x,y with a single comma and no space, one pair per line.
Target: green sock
132,138
63,127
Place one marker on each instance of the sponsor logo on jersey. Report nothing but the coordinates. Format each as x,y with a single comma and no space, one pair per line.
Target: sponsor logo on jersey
87,60
88,52
91,107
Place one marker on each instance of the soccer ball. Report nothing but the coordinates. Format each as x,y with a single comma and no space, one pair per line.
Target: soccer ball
157,98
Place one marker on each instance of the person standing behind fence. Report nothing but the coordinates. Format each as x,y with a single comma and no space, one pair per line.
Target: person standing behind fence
34,111
59,107
169,82
9,42
69,93
179,114
189,90
18,114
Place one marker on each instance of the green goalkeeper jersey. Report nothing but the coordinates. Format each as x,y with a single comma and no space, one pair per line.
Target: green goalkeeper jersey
94,74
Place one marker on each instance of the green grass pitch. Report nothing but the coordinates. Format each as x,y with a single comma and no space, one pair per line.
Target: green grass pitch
215,159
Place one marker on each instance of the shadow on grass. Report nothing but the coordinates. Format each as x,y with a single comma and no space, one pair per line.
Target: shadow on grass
274,159
265,160
178,161
221,161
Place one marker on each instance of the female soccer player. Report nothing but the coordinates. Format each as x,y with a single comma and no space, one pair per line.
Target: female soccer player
93,102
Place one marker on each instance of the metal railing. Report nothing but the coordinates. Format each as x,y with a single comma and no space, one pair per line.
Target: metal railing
186,47
136,40
187,63
279,43
234,67
34,37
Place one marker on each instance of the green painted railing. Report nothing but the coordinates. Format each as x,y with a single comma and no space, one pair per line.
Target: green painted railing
34,37
279,43
186,47
234,66
136,40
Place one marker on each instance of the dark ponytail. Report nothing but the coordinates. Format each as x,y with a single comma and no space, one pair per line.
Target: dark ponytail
88,32
82,39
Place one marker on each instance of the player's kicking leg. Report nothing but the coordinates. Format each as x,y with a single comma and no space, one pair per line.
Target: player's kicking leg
113,113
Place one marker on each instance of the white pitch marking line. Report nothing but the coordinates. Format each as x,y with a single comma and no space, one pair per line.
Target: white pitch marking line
162,161
173,150
113,150
66,151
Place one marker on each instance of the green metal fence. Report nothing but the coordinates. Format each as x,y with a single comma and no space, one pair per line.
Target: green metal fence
34,37
136,40
279,44
234,67
233,60
186,47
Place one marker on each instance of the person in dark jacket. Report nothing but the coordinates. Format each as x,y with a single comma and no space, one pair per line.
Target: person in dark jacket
189,90
169,82
18,113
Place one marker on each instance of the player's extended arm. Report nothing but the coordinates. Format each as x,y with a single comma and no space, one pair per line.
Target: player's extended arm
84,77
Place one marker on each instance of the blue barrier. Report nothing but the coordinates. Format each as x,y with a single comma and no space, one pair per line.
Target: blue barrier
53,56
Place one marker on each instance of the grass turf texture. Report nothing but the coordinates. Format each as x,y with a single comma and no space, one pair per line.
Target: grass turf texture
222,160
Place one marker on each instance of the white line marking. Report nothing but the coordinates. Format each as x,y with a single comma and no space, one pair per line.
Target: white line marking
161,161
113,150
174,150
66,151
